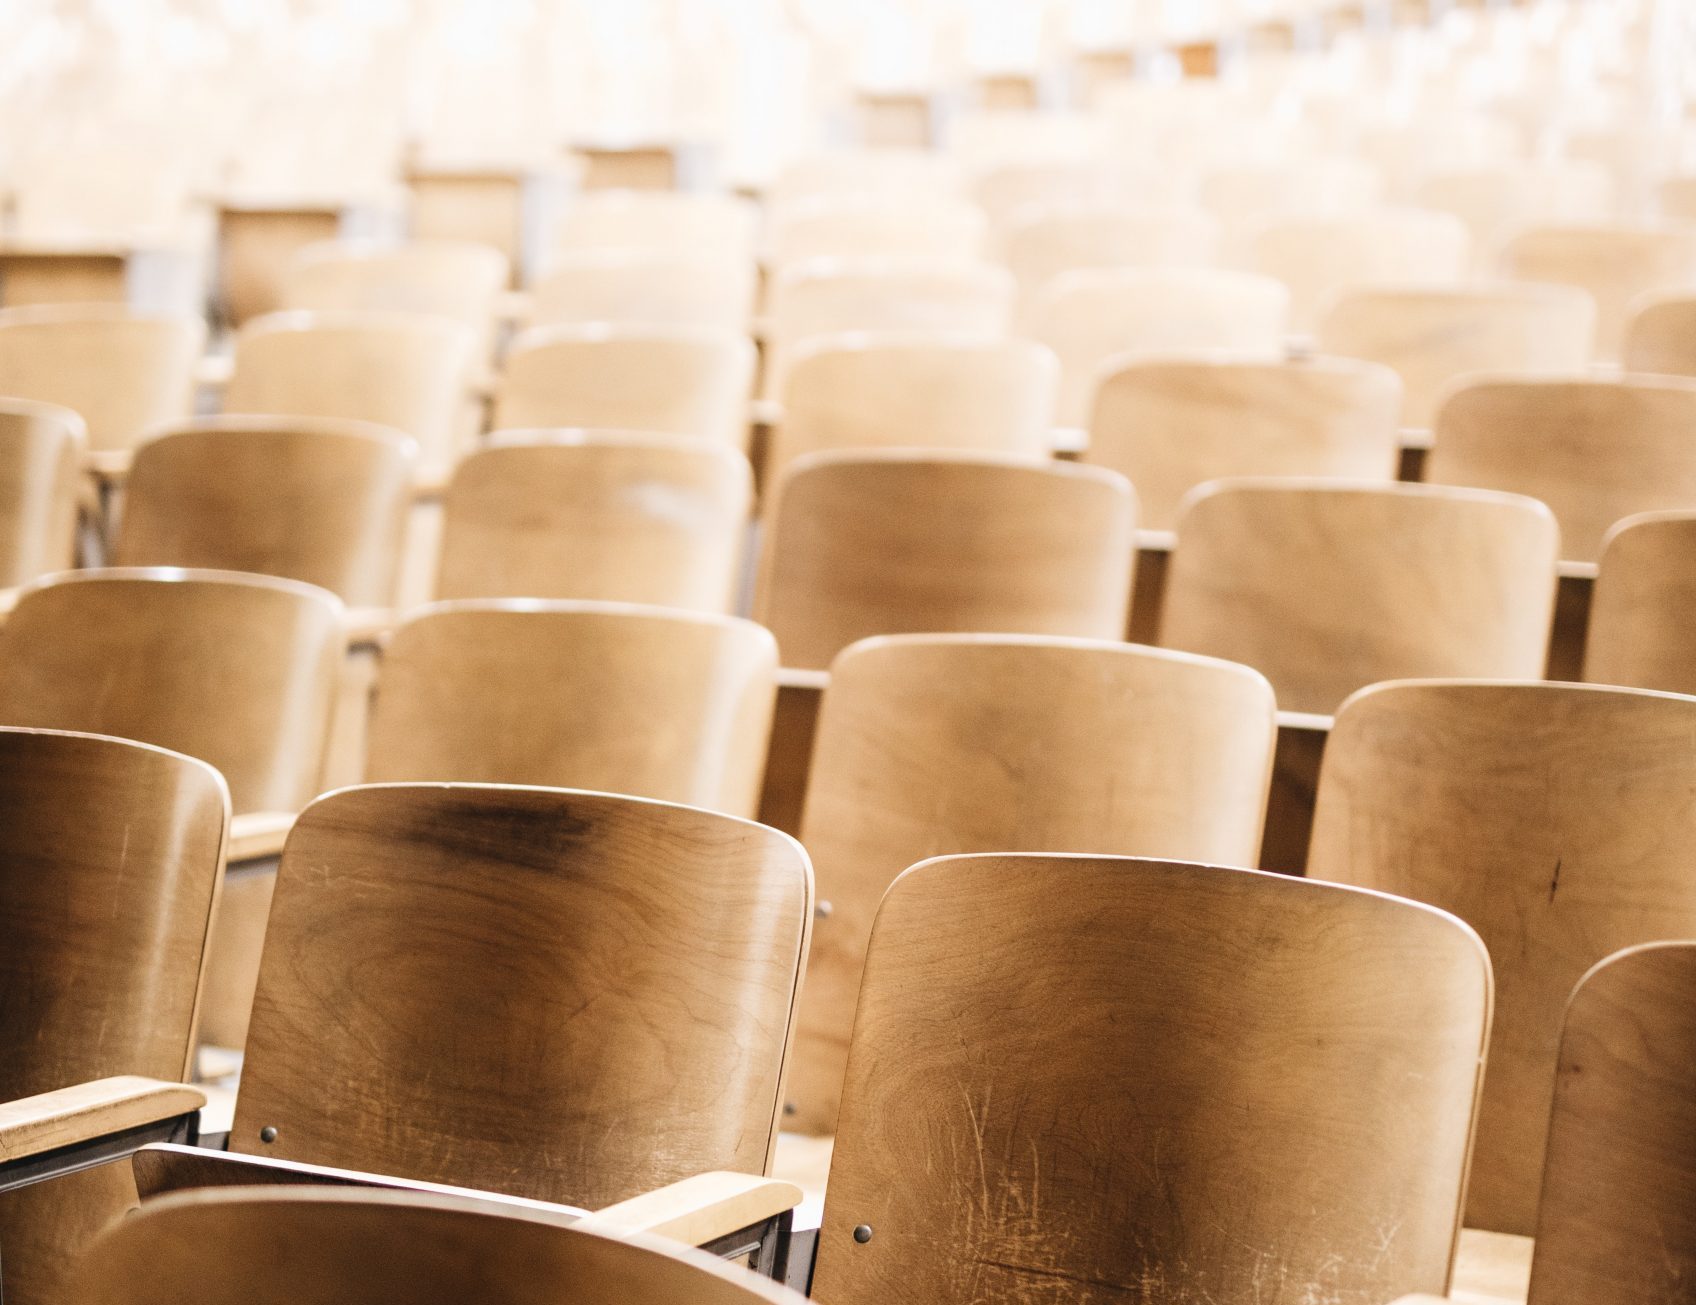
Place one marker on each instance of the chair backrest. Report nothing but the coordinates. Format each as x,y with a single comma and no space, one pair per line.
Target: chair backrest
324,1246
1246,194
934,744
644,288
1161,1081
876,226
1557,820
1042,242
1661,335
874,171
1594,451
568,996
1617,1222
1433,336
655,519
1006,190
677,381
1615,264
1094,317
1642,628
641,700
1498,201
121,372
41,450
1170,425
406,371
917,542
1325,587
718,226
316,500
442,278
238,670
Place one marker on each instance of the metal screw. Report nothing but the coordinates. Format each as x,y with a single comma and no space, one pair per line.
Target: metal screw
863,1233
790,1108
821,911
268,1134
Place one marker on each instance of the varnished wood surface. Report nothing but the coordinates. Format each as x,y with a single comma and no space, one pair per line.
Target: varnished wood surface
1041,242
47,1121
929,745
41,451
698,1209
1325,587
1555,819
909,542
875,226
1594,451
568,996
1094,1079
607,696
641,287
1642,628
1499,199
714,225
255,246
459,279
1660,335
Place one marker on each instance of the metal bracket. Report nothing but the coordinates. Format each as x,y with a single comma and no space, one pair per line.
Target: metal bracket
766,1244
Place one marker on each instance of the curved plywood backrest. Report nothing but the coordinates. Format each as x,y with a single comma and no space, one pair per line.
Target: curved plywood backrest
897,543
1594,451
830,296
121,372
1557,820
238,670
1325,587
1617,1223
931,744
446,278
1661,335
876,226
1642,629
624,518
717,226
1501,198
647,701
570,996
1170,425
1105,1078
1042,242
675,382
1432,336
41,451
643,288
320,501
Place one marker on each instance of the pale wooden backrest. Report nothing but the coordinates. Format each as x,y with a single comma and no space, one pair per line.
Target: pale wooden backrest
1594,451
1325,587
677,381
41,451
570,996
641,287
1170,425
1091,317
1614,263
482,206
121,372
1433,337
406,371
1497,201
934,744
238,670
878,171
1042,242
1163,1081
1243,194
875,226
1676,198
1557,820
255,246
1661,335
576,514
315,500
323,1246
1004,190
1617,1222
442,278
641,700
1642,629
721,226
1319,258
920,542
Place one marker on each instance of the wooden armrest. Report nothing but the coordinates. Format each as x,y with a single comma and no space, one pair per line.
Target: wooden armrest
9,599
50,1120
109,466
1421,1298
257,835
700,1209
1576,570
1313,721
368,627
765,412
1068,439
1156,541
1414,437
513,306
798,677
213,372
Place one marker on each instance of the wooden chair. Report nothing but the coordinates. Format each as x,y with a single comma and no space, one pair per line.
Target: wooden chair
875,226
1615,264
319,501
647,701
1004,191
1556,820
674,382
1041,243
1325,587
933,744
719,226
1104,1078
925,542
457,279
1090,318
644,288
110,869
1432,337
1643,608
1499,200
1594,451
1170,425
1245,193
873,171
1659,334
121,372
600,515
41,452
256,245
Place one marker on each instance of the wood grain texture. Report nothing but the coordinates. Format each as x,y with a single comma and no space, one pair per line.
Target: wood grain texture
1594,451
569,996
1324,587
635,287
1642,629
41,452
698,1209
458,279
626,518
1170,425
920,542
1557,821
1660,335
929,745
1617,1223
67,1116
1103,1079
314,500
238,670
